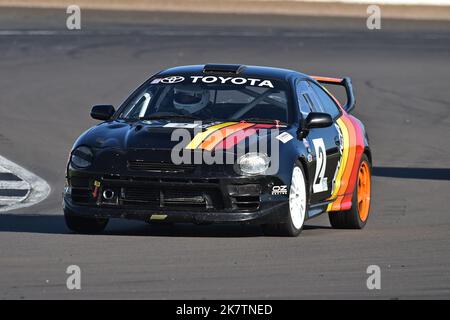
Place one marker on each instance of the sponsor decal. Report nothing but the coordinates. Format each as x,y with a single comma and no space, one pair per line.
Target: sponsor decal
158,216
181,125
279,190
172,79
285,137
221,80
207,125
233,80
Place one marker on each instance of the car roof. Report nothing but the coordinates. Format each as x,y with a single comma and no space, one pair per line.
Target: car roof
235,70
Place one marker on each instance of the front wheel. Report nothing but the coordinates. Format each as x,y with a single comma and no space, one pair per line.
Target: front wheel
356,217
84,224
298,201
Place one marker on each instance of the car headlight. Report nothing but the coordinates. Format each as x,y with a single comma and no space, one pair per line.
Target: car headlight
82,157
253,163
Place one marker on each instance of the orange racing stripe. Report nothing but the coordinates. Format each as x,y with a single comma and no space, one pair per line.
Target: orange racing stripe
327,79
348,165
216,137
342,165
199,137
239,136
359,149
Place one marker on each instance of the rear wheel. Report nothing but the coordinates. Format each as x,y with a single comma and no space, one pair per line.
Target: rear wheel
298,199
356,217
85,224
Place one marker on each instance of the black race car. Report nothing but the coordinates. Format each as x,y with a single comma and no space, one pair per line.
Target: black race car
221,143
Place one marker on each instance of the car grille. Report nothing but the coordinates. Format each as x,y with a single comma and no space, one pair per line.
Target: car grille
132,195
159,167
170,193
173,197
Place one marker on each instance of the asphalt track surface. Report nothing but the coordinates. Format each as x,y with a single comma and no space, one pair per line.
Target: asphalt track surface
49,78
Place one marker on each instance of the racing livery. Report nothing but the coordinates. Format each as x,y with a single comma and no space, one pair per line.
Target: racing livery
222,143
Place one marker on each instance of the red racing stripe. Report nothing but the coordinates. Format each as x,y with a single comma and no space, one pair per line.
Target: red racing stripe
237,137
216,137
358,150
339,204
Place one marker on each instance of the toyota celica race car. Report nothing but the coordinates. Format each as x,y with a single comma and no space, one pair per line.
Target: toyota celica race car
222,143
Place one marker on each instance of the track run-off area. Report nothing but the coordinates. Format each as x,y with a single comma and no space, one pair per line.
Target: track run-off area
50,77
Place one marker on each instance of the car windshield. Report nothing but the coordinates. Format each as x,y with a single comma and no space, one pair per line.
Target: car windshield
209,98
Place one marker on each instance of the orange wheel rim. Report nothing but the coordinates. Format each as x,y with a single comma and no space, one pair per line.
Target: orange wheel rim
363,191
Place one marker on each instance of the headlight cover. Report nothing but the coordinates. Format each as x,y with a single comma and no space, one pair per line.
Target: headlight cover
82,157
253,163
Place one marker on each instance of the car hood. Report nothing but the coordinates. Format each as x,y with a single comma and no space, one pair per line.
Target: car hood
120,146
159,134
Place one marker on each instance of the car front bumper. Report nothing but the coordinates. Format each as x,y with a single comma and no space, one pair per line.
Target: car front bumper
270,214
176,199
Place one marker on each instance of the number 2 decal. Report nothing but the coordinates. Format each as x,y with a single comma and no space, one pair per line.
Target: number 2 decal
320,182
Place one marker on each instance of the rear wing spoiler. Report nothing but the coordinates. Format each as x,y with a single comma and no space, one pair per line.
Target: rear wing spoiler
346,83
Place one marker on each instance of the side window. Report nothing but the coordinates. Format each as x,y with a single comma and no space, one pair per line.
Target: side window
305,103
328,105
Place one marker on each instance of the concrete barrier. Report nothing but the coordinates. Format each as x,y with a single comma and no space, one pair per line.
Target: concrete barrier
399,9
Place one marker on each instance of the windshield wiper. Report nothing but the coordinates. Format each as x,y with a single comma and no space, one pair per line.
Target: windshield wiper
260,120
171,116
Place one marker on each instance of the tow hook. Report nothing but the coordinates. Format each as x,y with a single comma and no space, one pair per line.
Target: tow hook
96,188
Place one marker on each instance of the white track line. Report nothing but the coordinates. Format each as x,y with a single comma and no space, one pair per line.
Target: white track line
163,33
8,201
20,185
39,188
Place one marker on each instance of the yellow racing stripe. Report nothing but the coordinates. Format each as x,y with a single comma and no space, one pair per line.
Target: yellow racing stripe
343,163
199,137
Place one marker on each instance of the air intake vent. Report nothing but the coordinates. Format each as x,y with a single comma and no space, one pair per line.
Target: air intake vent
224,68
245,203
173,197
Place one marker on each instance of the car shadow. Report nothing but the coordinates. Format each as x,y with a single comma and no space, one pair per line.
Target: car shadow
315,227
184,230
55,224
412,173
48,224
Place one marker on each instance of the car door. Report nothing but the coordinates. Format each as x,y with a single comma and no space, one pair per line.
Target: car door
323,143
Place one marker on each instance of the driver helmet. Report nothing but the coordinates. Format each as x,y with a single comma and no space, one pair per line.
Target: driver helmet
190,98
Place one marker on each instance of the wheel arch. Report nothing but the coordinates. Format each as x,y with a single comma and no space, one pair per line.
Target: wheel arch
304,164
368,153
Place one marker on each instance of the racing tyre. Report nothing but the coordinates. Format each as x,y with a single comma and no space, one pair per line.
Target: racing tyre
298,202
356,217
85,225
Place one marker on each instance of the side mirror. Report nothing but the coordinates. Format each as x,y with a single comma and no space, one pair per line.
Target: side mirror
318,120
102,112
